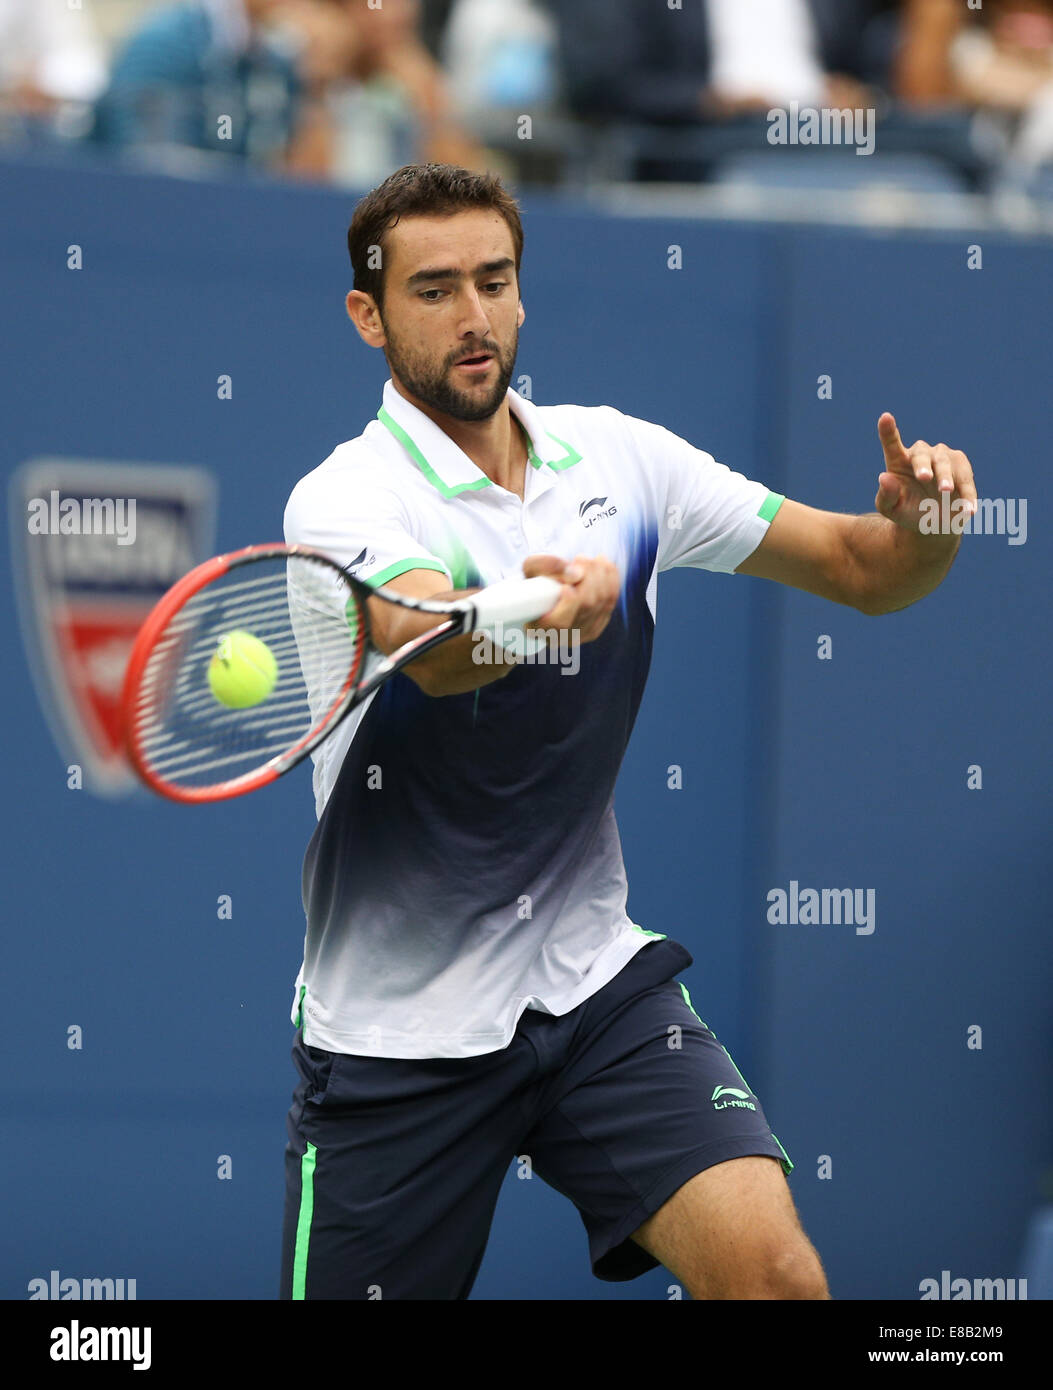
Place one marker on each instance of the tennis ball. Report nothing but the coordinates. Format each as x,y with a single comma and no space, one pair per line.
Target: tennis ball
243,671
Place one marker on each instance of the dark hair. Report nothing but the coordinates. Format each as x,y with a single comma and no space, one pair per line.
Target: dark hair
420,190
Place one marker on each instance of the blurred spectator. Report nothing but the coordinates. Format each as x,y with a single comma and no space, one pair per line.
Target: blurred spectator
997,61
434,17
646,62
923,74
233,77
717,68
1003,64
391,105
52,66
500,57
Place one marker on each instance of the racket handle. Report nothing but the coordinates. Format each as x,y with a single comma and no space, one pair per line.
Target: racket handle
514,601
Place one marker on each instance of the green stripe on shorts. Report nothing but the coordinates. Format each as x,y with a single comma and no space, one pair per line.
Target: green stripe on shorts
691,1006
787,1162
303,1225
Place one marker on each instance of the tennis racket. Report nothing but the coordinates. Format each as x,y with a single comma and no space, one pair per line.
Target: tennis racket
252,659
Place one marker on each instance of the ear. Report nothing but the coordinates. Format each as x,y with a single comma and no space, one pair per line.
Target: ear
363,312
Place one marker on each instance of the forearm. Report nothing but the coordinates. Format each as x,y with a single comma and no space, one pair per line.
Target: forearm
894,566
454,667
922,71
461,665
309,153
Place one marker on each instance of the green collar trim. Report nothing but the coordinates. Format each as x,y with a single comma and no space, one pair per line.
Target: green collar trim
422,463
570,457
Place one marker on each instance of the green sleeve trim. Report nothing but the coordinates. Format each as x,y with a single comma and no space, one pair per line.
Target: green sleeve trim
419,562
422,463
299,1002
770,505
303,1225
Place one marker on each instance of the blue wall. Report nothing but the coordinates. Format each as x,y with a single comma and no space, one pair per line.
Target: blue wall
848,772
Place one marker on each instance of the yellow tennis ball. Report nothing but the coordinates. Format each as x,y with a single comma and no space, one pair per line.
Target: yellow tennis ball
243,671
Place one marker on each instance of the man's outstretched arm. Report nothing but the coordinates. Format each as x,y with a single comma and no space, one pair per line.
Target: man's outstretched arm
890,558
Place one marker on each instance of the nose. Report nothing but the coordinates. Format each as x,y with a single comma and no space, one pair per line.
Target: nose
475,321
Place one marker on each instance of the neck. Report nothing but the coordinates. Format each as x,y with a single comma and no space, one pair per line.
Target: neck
496,446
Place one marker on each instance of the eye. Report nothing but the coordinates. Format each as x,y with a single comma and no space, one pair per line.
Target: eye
496,285
425,293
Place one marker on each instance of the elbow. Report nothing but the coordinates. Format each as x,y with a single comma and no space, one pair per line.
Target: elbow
871,605
426,678
878,608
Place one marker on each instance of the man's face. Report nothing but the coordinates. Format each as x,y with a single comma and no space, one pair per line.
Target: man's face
451,292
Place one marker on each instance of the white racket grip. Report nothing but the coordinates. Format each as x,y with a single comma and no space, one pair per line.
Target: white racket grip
513,601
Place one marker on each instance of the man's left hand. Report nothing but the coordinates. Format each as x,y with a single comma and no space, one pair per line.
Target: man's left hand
915,475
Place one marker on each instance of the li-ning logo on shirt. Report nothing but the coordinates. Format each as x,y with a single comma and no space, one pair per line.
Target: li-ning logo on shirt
740,1099
595,502
360,559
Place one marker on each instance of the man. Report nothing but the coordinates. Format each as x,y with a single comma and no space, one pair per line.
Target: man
232,77
472,988
717,59
51,59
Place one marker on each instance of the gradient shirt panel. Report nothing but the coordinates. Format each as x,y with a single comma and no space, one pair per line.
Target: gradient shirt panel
466,864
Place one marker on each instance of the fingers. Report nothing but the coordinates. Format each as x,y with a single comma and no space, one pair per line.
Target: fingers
943,469
952,472
964,479
888,494
896,455
597,592
923,472
591,585
936,467
535,565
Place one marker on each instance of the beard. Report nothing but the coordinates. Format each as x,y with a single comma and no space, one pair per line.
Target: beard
434,384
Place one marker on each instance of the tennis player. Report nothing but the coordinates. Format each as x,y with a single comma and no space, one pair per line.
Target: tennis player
472,989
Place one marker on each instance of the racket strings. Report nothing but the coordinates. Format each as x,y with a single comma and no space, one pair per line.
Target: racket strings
313,629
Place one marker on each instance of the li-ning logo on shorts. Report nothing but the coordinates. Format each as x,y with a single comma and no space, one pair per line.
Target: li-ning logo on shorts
739,1099
595,502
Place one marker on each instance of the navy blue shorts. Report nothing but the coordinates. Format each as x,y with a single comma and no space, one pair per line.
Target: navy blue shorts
394,1166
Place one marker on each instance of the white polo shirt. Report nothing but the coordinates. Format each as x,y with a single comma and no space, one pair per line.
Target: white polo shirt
466,863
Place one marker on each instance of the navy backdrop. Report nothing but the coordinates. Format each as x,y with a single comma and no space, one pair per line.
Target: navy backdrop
846,772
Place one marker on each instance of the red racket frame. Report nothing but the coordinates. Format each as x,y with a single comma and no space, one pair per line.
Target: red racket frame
156,623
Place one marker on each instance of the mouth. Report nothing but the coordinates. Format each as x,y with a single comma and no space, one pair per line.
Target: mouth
477,364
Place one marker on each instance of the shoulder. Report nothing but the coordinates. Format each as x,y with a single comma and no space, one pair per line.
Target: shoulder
352,477
167,42
591,428
619,440
586,417
597,420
